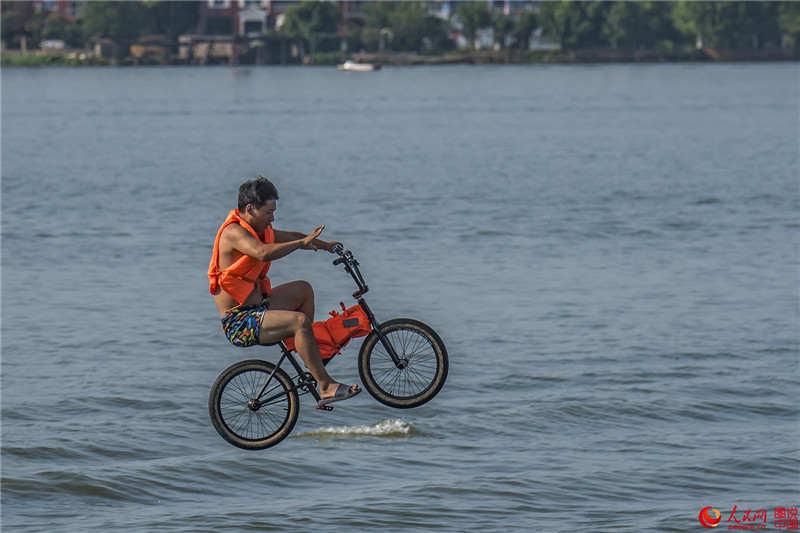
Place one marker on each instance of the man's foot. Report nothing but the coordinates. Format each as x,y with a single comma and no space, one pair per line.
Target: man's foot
343,392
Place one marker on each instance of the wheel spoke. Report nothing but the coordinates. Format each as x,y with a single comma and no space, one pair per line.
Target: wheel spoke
258,423
424,363
421,367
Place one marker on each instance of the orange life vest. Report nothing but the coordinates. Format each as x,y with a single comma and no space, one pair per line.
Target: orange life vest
240,277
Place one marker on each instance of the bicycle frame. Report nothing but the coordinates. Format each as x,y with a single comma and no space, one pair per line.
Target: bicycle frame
304,379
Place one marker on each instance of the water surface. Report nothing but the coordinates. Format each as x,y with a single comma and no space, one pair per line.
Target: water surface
609,252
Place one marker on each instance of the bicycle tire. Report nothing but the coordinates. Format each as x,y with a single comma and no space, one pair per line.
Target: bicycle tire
420,380
250,426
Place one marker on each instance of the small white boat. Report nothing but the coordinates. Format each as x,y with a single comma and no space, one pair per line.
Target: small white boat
352,66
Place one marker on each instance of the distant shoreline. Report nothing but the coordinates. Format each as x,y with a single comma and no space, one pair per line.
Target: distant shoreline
515,57
508,57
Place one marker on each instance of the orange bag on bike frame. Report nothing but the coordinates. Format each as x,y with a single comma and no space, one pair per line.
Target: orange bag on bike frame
335,333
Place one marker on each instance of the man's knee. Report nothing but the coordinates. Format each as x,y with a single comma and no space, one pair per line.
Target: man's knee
305,288
301,322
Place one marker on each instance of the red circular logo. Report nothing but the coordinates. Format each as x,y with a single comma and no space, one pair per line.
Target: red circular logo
710,517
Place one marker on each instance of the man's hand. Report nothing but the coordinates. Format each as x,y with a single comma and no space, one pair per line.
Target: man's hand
308,241
327,246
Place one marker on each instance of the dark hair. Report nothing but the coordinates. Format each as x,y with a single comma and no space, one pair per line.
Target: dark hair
256,192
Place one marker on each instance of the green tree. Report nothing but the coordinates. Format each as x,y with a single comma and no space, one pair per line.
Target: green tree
171,18
310,17
376,24
57,27
412,27
760,24
123,22
310,21
788,19
473,15
525,25
729,24
575,24
34,25
15,19
635,25
503,26
376,15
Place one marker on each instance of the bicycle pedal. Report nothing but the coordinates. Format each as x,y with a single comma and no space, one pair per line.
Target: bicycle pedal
325,407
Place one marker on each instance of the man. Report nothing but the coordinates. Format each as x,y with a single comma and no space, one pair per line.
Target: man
252,311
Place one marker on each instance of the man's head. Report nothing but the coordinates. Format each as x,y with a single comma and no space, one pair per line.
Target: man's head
256,192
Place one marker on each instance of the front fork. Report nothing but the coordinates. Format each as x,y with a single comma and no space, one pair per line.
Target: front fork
351,267
399,362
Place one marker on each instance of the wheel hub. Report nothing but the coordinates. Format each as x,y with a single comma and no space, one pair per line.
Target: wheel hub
254,404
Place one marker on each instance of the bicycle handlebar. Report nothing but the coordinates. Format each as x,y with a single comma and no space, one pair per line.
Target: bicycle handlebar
351,267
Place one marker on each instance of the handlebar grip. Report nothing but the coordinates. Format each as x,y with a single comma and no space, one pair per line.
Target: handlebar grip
338,261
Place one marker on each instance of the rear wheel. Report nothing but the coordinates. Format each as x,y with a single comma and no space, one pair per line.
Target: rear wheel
245,419
423,368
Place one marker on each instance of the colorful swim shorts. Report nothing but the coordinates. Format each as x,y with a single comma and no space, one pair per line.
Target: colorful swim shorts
242,324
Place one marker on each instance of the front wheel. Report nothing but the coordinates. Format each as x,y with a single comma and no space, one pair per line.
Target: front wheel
245,416
422,371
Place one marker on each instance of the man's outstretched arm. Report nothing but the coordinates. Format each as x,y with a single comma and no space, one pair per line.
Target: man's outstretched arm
282,236
235,237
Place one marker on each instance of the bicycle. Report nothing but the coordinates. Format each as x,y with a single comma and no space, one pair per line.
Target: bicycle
403,363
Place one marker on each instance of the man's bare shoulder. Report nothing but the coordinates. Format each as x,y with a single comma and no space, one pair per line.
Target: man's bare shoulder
235,238
233,233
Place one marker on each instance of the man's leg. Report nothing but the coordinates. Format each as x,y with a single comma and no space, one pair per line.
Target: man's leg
293,296
290,315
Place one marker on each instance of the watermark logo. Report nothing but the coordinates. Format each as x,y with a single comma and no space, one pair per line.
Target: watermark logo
710,517
783,518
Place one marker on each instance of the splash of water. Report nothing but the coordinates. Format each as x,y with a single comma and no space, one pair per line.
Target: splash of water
384,428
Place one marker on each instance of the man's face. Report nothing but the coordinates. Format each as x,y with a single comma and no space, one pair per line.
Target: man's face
263,216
